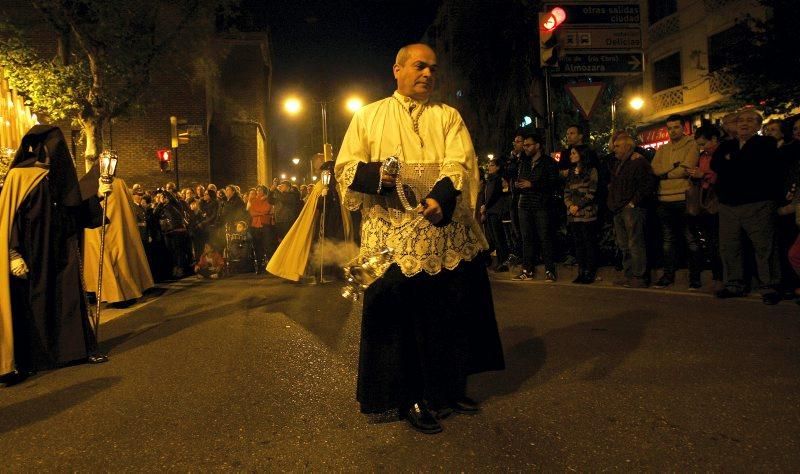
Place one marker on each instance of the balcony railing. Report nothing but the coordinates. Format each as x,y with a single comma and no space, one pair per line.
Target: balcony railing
665,27
720,83
668,98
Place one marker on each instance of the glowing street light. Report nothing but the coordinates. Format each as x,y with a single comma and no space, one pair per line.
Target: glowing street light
490,156
283,175
354,103
313,178
295,161
636,103
294,178
293,105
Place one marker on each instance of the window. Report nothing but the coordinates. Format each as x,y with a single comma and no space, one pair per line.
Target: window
667,72
658,9
722,46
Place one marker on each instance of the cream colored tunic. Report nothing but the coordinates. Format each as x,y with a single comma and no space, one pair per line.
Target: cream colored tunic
432,142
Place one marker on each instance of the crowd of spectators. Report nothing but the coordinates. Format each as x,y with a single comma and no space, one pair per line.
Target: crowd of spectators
189,230
722,200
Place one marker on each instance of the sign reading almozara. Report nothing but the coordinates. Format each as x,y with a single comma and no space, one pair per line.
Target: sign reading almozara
607,14
600,64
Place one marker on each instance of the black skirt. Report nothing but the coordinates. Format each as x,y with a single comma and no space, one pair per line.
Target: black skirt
422,336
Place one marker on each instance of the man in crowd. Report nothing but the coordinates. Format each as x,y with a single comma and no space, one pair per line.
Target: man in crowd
492,210
428,321
510,177
629,191
748,186
671,166
536,182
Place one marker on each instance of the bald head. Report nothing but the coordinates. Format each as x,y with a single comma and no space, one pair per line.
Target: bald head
415,70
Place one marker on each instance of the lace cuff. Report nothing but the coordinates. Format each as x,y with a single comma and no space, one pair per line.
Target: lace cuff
352,199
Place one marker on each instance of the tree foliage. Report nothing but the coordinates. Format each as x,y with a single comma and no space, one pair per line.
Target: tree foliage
764,62
487,54
108,51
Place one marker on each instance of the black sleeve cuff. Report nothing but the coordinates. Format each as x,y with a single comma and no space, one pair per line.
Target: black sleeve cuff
445,194
367,179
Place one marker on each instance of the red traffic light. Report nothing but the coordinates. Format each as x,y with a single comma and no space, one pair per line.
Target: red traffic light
555,17
164,154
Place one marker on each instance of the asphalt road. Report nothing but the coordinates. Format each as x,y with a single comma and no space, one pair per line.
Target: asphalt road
251,373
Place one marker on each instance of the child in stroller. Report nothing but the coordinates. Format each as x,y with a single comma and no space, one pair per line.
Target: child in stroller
210,263
240,254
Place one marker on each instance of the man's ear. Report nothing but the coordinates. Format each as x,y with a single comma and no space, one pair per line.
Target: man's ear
395,70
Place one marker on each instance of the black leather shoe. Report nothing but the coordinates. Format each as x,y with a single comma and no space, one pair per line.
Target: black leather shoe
728,293
421,419
465,406
15,377
771,298
97,358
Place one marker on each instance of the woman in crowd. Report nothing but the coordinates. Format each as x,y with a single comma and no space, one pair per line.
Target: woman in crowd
706,224
581,203
261,224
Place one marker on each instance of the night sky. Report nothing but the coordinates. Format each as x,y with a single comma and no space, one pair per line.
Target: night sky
329,49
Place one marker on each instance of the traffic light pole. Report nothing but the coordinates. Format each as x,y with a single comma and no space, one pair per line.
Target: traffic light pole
551,122
177,174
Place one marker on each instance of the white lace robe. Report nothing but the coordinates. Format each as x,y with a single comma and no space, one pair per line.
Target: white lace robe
438,146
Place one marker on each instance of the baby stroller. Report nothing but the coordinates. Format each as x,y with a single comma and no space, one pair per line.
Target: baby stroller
240,254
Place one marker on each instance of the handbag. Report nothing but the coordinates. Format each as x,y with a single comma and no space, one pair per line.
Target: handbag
701,201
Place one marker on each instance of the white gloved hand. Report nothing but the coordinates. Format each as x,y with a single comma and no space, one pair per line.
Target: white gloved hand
103,188
19,268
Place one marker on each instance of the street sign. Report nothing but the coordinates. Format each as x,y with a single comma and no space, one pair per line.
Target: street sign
601,38
601,14
585,95
599,64
194,130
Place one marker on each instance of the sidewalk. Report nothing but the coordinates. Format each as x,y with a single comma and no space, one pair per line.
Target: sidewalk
607,275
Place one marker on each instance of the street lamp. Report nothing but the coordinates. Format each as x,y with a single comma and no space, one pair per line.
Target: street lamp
490,156
354,103
294,178
293,106
295,161
283,175
636,103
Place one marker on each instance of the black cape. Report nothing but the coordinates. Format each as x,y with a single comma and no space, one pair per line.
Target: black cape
50,316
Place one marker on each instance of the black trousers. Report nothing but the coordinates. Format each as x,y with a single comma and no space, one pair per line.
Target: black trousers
585,237
421,336
536,228
675,232
497,236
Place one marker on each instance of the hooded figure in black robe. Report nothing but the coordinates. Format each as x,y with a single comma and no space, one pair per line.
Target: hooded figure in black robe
48,309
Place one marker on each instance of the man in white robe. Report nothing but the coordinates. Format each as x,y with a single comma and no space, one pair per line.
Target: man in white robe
428,322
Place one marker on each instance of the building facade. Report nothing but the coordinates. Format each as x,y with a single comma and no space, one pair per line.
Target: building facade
223,106
684,44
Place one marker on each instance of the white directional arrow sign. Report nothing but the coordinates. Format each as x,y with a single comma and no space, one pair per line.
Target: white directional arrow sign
635,63
594,63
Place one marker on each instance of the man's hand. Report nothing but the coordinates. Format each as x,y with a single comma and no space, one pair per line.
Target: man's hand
696,173
388,180
523,184
636,156
324,191
18,268
103,188
431,211
573,210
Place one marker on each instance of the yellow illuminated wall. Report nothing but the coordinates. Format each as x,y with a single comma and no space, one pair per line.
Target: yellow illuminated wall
15,117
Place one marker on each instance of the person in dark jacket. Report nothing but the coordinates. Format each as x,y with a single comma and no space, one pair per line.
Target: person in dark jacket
493,206
631,187
536,182
749,185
